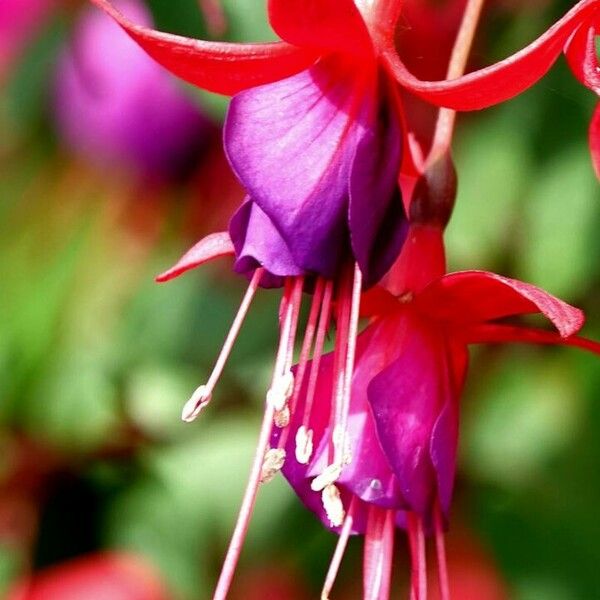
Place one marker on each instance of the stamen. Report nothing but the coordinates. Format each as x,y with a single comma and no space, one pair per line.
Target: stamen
304,445
332,503
305,352
272,464
281,390
416,536
340,548
324,319
282,417
202,396
329,475
440,546
348,312
378,553
292,306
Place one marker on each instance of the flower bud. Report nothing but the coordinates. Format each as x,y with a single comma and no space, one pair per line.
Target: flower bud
435,193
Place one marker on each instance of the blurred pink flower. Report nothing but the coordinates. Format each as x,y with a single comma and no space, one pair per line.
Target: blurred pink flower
19,19
100,576
116,107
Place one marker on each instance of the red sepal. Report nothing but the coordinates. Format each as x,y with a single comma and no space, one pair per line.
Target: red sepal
332,25
491,333
501,81
582,58
221,67
478,296
212,246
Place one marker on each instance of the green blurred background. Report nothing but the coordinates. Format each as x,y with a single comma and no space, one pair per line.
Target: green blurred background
96,359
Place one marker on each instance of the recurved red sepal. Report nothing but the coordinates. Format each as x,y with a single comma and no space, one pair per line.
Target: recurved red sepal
582,58
595,140
323,24
212,246
478,296
490,333
221,67
503,80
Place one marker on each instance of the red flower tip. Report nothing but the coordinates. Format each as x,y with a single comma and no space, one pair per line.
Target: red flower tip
595,140
212,246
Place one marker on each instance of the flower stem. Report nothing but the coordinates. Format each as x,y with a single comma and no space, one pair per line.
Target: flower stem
444,128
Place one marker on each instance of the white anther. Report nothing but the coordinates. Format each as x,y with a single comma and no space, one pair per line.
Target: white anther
282,417
332,503
199,400
329,475
304,445
281,391
272,464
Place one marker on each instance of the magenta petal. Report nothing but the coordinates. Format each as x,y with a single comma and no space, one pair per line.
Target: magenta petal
378,224
258,244
292,144
407,398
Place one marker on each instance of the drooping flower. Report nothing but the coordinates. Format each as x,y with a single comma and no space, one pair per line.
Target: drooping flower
117,108
400,435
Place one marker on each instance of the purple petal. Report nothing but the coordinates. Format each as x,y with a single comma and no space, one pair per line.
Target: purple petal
292,144
258,244
444,437
407,398
378,224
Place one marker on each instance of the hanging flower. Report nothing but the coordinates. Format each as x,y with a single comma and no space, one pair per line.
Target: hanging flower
399,436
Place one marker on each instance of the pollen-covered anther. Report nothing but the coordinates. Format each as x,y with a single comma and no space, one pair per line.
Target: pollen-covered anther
281,418
332,503
281,391
272,464
199,400
304,445
329,476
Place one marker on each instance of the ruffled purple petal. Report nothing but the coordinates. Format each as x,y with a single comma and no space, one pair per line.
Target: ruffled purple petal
407,398
257,243
378,223
292,144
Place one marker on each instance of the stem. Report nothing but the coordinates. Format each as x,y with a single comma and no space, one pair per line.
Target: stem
444,128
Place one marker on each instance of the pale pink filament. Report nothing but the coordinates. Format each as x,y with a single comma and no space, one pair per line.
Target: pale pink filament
292,307
378,553
322,328
233,331
340,549
441,554
416,536
309,335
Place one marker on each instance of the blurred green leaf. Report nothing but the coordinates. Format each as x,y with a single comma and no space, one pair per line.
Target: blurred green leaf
560,249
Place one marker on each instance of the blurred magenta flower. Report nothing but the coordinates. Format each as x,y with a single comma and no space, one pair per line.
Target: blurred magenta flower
101,576
116,107
19,20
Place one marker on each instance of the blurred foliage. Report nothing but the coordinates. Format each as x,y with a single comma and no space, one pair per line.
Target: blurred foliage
96,359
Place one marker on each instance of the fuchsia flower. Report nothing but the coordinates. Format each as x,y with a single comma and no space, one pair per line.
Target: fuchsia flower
316,134
399,459
117,107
